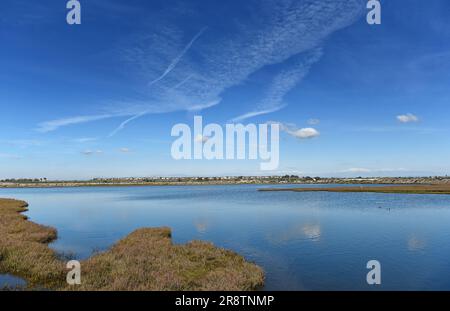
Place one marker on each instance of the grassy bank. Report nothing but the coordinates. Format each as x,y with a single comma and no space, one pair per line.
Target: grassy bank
145,260
407,189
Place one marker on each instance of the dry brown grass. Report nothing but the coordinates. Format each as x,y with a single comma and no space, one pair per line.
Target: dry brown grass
145,260
23,247
405,189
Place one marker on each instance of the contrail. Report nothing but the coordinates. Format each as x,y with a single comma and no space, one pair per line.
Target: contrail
256,113
178,58
182,82
141,114
124,123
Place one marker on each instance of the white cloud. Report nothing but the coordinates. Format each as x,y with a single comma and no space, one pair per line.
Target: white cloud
124,150
301,133
407,118
305,133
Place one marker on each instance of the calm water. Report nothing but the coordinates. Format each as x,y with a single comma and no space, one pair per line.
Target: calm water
11,282
304,241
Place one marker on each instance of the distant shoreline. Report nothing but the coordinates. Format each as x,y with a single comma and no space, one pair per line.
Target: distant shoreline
397,189
212,181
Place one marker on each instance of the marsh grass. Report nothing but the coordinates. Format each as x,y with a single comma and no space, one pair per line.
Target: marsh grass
24,247
145,260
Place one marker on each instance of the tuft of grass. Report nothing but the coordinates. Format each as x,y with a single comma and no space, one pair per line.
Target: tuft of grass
148,260
144,260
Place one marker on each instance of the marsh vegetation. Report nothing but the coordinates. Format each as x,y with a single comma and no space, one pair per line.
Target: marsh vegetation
144,260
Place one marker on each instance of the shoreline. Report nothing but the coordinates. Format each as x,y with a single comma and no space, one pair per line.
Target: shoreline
82,185
395,189
405,181
153,262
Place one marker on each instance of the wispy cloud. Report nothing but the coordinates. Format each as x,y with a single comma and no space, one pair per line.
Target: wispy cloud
22,143
52,125
195,108
214,66
408,118
282,84
281,32
124,150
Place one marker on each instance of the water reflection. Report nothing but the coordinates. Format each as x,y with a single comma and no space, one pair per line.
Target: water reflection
312,231
307,231
416,244
201,225
8,281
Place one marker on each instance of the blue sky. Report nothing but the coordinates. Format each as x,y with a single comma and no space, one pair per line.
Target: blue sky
100,98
